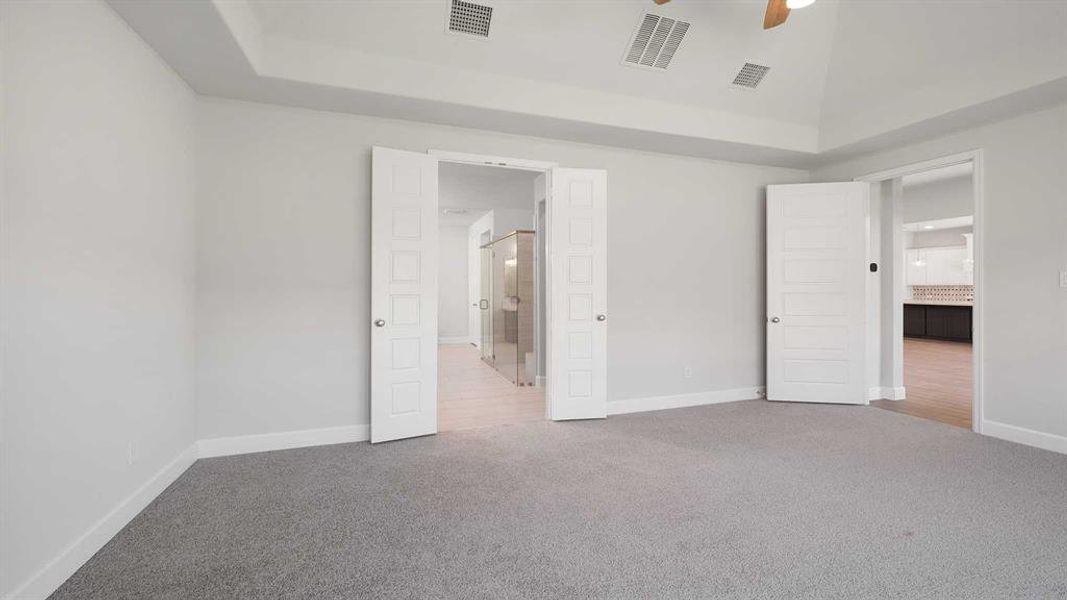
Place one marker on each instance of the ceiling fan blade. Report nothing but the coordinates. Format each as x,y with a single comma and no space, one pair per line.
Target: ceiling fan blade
661,1
777,13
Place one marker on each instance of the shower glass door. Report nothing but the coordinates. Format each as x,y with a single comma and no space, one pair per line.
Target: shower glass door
505,308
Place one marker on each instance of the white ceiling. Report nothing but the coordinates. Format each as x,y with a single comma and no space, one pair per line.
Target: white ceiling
896,62
938,175
581,43
846,77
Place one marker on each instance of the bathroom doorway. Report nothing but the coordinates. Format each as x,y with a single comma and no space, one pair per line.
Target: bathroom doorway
406,297
489,363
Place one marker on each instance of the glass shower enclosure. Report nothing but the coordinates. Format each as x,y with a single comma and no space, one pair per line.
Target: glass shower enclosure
507,306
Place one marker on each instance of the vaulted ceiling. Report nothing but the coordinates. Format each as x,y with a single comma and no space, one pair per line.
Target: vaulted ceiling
845,77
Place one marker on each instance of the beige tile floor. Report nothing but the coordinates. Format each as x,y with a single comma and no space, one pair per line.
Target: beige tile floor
472,394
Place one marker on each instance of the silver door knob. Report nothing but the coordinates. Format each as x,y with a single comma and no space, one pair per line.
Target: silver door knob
379,323
775,320
601,317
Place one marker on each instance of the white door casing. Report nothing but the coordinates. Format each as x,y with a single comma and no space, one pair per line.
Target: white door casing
474,289
477,234
403,295
577,294
817,275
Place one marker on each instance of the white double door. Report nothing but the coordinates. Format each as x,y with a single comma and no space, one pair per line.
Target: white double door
817,276
404,294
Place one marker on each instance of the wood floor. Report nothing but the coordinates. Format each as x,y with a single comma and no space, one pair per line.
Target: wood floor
937,380
472,394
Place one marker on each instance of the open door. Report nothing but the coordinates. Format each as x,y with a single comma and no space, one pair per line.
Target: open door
817,292
577,294
403,378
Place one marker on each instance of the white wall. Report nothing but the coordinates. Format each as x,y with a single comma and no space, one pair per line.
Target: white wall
97,280
1025,335
941,199
483,187
506,220
453,308
284,198
507,195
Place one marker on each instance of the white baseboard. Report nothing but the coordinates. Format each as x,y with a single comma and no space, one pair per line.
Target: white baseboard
886,393
48,579
453,340
244,444
632,405
1022,435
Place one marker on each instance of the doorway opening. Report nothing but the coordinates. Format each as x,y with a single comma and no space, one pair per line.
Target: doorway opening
926,311
570,335
491,316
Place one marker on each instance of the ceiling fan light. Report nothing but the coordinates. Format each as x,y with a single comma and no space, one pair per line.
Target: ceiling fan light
798,3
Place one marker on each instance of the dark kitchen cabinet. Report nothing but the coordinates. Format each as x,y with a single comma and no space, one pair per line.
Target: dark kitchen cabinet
938,322
914,320
960,324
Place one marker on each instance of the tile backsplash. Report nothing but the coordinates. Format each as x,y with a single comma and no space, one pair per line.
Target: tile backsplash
943,293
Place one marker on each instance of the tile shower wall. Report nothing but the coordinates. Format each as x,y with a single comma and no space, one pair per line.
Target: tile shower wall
943,293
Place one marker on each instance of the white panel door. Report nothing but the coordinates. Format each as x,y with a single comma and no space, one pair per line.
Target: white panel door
403,384
577,294
816,292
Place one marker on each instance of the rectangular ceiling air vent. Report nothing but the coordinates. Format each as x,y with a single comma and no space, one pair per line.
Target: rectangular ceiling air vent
750,75
655,41
469,18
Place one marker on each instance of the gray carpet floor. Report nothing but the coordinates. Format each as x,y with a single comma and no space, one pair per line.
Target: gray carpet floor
742,500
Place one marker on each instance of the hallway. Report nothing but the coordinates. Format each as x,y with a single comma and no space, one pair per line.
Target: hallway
937,380
472,394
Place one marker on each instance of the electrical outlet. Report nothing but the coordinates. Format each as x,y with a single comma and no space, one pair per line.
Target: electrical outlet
687,372
1063,279
131,453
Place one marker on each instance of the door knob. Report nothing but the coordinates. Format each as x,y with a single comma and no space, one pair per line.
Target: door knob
775,319
379,323
601,317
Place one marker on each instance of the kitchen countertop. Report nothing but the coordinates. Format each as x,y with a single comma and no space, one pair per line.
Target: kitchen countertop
939,302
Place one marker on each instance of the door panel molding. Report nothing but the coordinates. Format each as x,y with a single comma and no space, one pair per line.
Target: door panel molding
577,294
817,275
403,295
